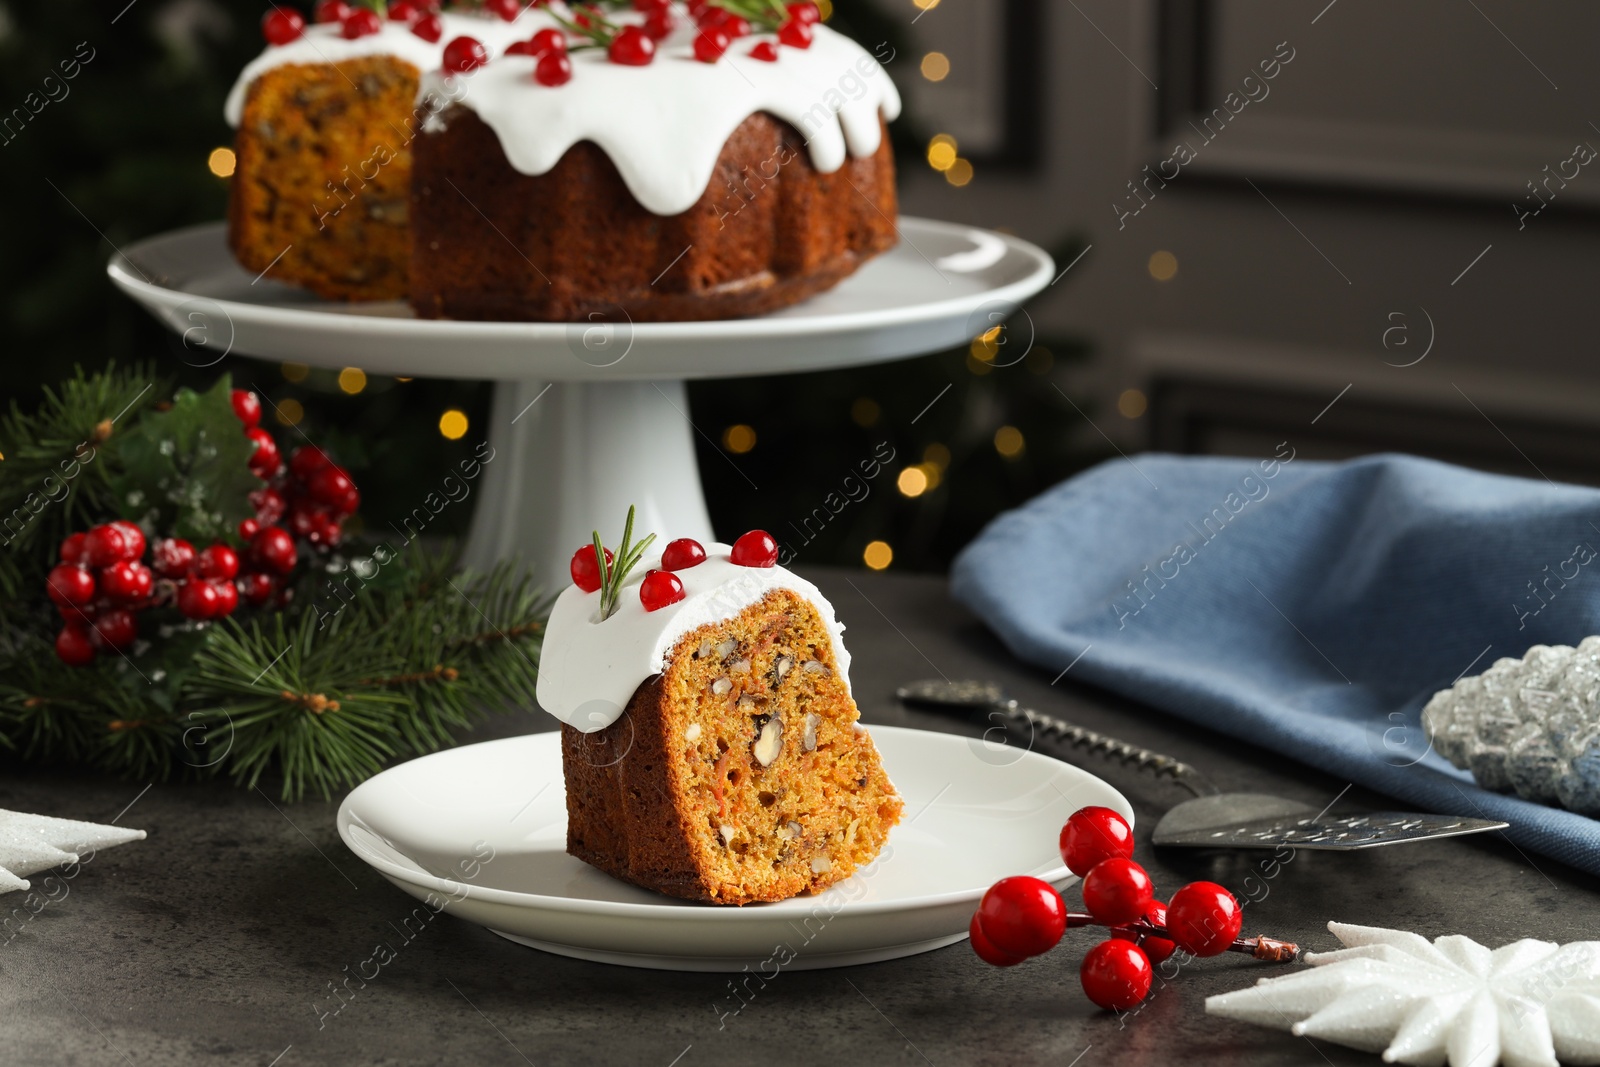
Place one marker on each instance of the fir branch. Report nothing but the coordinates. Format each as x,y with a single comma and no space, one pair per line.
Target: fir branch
413,651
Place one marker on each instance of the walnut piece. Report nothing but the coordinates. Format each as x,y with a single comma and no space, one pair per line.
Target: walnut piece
770,742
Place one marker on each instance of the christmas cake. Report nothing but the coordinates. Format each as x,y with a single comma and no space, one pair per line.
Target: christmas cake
652,162
710,743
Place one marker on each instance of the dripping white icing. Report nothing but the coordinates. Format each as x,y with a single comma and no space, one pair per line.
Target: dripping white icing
663,125
588,670
322,43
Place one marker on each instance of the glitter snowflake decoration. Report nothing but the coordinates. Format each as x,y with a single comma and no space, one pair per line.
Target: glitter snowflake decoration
1527,1004
33,843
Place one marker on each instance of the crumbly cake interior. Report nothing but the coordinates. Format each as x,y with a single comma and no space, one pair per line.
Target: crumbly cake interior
322,185
769,788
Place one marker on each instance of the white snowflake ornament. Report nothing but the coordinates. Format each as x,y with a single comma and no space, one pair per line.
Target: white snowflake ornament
1526,1004
33,843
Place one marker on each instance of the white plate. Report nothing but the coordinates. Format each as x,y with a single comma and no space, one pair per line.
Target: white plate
941,286
480,831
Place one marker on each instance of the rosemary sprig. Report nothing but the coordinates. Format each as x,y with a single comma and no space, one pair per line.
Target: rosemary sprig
599,31
613,574
765,15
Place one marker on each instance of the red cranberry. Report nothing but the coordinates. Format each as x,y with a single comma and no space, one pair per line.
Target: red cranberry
218,561
766,51
1117,891
309,459
585,571
116,629
755,549
726,21
429,27
247,406
553,69
1022,916
104,545
362,22
248,528
1203,918
647,6
1093,834
403,11
331,486
985,948
549,41
197,598
70,585
659,589
709,45
127,581
282,25
72,549
265,460
133,539
520,48
274,548
632,47
804,12
1115,975
506,9
795,34
257,588
73,646
658,24
269,505
227,597
331,11
173,557
326,531
464,54
682,554
1157,949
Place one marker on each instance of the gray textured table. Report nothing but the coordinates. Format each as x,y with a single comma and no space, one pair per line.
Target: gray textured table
216,940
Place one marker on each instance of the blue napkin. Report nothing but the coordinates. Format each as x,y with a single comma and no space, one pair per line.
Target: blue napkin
1311,608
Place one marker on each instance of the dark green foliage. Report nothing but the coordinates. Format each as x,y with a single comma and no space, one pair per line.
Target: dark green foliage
381,653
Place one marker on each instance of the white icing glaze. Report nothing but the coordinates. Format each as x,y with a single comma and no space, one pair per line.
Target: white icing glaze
588,670
665,124
322,43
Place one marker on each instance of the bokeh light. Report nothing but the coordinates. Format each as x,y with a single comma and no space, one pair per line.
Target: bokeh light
878,555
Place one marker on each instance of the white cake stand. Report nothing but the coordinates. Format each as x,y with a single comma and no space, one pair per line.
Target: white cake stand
589,417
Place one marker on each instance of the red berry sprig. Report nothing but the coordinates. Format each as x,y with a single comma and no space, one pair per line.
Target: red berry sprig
724,21
629,45
103,582
1021,917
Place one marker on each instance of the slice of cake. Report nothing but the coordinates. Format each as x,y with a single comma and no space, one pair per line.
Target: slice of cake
710,744
325,118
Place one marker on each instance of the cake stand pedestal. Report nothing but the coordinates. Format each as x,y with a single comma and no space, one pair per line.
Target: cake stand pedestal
590,417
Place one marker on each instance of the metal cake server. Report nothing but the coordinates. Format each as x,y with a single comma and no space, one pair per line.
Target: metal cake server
1213,819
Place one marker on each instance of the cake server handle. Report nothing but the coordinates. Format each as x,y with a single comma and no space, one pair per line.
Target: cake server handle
1129,754
945,695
